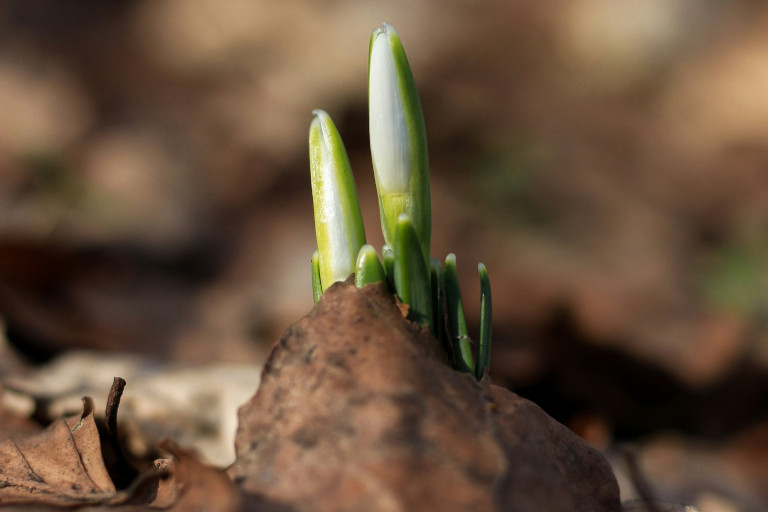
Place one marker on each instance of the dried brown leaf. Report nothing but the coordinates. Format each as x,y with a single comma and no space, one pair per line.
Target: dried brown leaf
60,466
197,486
86,437
358,411
63,466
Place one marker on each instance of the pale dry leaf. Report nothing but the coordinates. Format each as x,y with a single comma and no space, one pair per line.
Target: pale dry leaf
63,466
60,466
199,486
195,405
357,410
86,437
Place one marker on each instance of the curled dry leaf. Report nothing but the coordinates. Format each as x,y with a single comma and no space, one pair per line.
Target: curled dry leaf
357,410
195,405
64,467
59,466
196,486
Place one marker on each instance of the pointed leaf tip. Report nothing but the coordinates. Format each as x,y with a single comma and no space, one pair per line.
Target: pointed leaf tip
456,320
412,276
486,321
369,269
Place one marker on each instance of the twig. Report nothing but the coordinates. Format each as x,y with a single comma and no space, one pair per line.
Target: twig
118,465
113,403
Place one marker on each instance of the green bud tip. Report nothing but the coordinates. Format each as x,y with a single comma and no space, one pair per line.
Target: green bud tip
369,269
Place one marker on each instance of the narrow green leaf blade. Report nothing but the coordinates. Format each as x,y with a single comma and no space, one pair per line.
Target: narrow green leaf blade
438,305
369,269
317,288
457,323
486,320
412,279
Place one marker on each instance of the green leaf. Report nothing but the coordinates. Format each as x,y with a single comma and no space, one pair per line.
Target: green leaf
388,259
369,269
438,305
412,282
484,351
338,222
317,288
457,323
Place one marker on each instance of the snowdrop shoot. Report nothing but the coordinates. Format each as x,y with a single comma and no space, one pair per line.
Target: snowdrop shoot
398,138
338,222
399,154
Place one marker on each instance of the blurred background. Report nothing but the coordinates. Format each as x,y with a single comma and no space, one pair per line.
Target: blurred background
607,160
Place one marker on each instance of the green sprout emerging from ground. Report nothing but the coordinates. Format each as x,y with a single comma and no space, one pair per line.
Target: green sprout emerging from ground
399,153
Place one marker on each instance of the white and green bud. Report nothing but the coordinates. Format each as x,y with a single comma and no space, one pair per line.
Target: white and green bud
398,139
338,222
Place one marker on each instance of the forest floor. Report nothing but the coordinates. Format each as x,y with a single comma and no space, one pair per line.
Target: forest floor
156,216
